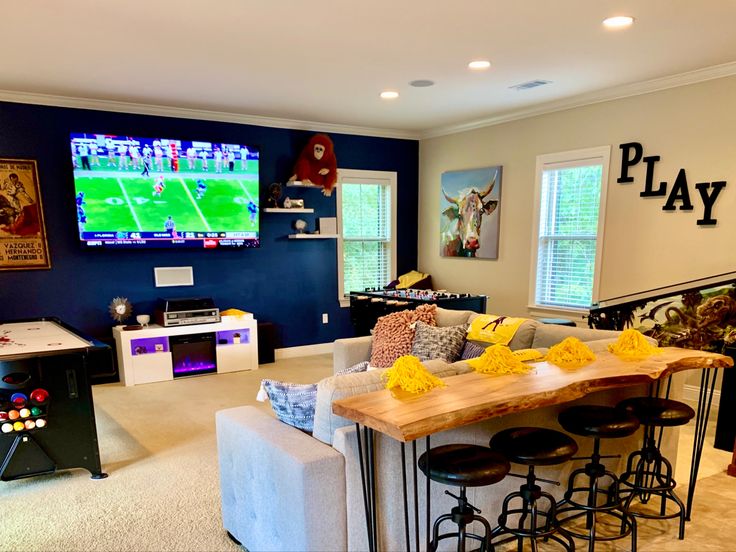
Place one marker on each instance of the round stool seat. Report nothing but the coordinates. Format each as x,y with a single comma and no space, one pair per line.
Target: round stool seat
598,421
654,411
534,446
464,465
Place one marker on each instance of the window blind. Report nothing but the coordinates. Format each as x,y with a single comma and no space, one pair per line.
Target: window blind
366,233
568,228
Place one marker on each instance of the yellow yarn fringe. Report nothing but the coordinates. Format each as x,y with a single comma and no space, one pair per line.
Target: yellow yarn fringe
498,360
632,345
526,355
411,375
570,353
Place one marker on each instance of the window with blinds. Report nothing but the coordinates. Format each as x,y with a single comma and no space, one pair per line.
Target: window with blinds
570,192
367,221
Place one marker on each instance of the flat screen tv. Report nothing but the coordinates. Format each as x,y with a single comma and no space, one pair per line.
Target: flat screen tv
138,193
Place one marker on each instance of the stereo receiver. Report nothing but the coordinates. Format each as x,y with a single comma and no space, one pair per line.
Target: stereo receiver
186,311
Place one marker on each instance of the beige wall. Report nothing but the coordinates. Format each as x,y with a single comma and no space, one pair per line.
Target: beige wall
644,247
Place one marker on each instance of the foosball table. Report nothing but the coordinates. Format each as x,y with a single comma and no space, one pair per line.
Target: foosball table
367,306
47,419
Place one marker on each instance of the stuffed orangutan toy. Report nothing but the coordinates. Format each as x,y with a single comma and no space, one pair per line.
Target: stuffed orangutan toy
317,164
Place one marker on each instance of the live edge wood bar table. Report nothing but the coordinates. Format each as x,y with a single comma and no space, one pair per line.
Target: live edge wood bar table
474,397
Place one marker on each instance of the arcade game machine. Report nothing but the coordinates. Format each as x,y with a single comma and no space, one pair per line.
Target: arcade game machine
47,418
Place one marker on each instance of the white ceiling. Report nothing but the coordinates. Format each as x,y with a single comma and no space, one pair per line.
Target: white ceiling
326,61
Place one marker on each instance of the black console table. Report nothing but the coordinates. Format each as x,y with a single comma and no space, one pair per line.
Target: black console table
367,306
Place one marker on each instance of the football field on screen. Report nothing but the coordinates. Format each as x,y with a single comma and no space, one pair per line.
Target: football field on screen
128,203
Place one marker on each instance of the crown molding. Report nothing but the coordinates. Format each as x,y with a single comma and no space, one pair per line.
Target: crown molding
199,114
598,96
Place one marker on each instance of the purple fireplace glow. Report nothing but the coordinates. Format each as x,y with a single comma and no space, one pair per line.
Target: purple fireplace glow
193,354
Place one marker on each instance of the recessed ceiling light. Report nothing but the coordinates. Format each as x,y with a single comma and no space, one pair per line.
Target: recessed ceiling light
479,64
389,94
618,21
421,83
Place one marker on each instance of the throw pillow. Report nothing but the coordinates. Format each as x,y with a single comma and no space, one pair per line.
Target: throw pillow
471,350
293,403
393,334
360,367
444,343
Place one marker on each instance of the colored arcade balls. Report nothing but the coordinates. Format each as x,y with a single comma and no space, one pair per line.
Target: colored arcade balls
13,415
3,416
39,396
35,411
19,399
24,412
40,422
30,424
19,426
7,428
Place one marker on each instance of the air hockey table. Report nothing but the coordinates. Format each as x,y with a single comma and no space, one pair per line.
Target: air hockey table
47,415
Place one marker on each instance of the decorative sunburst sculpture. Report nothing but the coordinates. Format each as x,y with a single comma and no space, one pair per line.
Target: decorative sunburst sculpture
120,308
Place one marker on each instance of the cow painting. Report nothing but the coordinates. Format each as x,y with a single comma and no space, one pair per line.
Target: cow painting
469,200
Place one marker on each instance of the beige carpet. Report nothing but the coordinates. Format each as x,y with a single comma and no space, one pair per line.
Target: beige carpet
157,442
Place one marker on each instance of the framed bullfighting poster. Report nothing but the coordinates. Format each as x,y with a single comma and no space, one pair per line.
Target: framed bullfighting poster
22,232
470,213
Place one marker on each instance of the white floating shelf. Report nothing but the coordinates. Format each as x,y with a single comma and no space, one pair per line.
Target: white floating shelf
312,236
284,210
299,184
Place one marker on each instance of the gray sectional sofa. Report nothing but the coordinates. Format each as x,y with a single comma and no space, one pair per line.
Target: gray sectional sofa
285,490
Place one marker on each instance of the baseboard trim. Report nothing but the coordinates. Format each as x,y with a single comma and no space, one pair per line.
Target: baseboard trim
691,393
304,350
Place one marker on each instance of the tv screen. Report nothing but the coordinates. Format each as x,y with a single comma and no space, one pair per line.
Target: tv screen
134,192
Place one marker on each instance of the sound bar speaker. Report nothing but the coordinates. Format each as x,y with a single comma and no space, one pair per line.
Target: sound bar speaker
169,276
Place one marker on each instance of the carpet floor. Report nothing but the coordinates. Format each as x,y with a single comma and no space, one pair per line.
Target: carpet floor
157,443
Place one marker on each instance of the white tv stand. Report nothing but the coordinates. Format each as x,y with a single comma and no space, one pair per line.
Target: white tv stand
144,356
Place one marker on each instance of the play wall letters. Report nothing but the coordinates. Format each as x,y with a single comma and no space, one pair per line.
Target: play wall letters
633,153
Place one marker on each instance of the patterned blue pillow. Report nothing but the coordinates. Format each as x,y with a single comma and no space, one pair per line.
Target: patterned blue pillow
293,403
471,350
360,367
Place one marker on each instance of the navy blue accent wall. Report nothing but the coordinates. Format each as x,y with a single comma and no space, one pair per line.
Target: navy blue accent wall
287,282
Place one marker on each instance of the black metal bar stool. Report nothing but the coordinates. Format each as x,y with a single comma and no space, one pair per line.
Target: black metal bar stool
599,422
647,471
533,446
463,466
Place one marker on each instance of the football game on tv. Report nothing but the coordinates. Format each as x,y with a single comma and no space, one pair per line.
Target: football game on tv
134,192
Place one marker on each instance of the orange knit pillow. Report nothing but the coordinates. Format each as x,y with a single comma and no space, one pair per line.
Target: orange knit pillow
394,333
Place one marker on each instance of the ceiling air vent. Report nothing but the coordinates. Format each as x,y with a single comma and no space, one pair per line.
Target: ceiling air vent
530,84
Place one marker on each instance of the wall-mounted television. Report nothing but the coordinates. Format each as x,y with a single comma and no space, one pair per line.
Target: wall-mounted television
134,192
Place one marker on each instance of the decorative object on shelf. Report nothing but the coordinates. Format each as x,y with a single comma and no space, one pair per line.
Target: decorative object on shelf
22,230
296,204
287,202
317,164
469,196
327,225
274,195
300,225
143,319
120,309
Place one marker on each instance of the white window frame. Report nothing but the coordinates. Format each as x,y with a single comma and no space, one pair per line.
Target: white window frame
387,178
581,157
